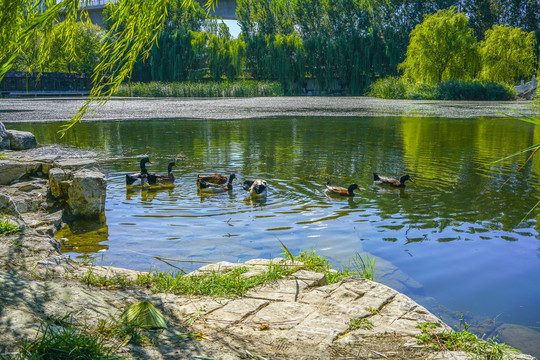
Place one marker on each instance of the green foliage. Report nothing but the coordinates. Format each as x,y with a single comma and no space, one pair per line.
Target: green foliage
86,49
144,315
396,88
389,88
442,47
208,89
473,90
363,323
462,340
7,227
365,266
507,54
65,342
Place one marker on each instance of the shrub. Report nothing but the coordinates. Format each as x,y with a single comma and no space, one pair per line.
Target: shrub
389,88
473,90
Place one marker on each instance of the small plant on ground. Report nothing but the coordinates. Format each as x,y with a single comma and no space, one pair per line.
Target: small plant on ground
373,311
365,266
363,323
462,340
8,228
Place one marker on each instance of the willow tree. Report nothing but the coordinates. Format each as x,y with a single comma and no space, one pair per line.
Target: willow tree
507,54
442,47
136,25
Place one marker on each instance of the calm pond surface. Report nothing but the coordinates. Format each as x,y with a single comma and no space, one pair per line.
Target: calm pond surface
452,239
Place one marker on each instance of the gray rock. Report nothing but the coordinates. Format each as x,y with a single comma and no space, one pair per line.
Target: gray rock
59,182
86,195
76,164
21,140
521,337
5,144
11,170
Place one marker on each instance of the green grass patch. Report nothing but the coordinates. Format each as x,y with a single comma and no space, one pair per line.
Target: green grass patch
64,342
365,266
462,340
8,228
399,88
219,283
242,88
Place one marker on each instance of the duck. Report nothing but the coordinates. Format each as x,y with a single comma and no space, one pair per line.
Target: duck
256,188
163,180
141,177
212,179
383,180
336,190
207,187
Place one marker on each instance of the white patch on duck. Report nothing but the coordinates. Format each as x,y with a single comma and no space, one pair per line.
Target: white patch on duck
256,188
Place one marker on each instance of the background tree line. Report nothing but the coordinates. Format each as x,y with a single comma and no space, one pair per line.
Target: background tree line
340,45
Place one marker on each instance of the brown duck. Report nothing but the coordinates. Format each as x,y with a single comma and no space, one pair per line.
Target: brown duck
383,180
336,190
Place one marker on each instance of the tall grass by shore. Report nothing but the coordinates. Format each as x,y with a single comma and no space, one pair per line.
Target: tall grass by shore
399,88
209,89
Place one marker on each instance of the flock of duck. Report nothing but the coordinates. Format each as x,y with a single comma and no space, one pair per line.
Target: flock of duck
217,183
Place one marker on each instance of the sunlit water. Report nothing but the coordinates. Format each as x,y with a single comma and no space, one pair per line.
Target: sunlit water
452,239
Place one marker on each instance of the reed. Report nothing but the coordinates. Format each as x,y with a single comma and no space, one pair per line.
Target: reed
243,88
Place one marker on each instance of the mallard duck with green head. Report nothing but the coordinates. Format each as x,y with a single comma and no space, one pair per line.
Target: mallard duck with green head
207,187
336,190
140,178
163,180
386,181
212,179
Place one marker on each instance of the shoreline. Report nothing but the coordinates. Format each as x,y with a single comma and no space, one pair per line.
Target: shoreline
116,109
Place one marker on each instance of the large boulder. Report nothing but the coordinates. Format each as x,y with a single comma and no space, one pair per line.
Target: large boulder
21,140
86,195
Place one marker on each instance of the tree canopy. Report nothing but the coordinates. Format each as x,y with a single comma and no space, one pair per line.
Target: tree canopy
135,27
442,47
507,54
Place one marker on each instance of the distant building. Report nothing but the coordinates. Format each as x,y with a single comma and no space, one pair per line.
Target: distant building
22,83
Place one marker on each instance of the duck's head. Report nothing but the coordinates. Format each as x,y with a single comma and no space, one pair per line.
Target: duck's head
145,160
404,178
353,187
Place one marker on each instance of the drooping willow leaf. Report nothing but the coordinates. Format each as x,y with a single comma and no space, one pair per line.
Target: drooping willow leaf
144,315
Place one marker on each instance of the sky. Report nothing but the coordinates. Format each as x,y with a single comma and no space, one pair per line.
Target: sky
233,27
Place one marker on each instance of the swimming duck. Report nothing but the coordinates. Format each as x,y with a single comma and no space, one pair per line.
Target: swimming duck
256,188
207,187
336,190
168,179
383,180
139,178
212,179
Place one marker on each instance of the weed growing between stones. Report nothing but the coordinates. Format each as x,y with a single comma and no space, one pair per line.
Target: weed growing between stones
462,340
8,228
363,323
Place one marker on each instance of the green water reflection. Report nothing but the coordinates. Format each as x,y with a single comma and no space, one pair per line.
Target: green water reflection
453,235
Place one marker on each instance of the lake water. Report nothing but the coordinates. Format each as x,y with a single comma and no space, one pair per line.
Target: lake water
452,240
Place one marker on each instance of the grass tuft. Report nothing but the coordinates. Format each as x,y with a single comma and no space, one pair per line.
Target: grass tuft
8,228
462,340
365,266
242,88
64,342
